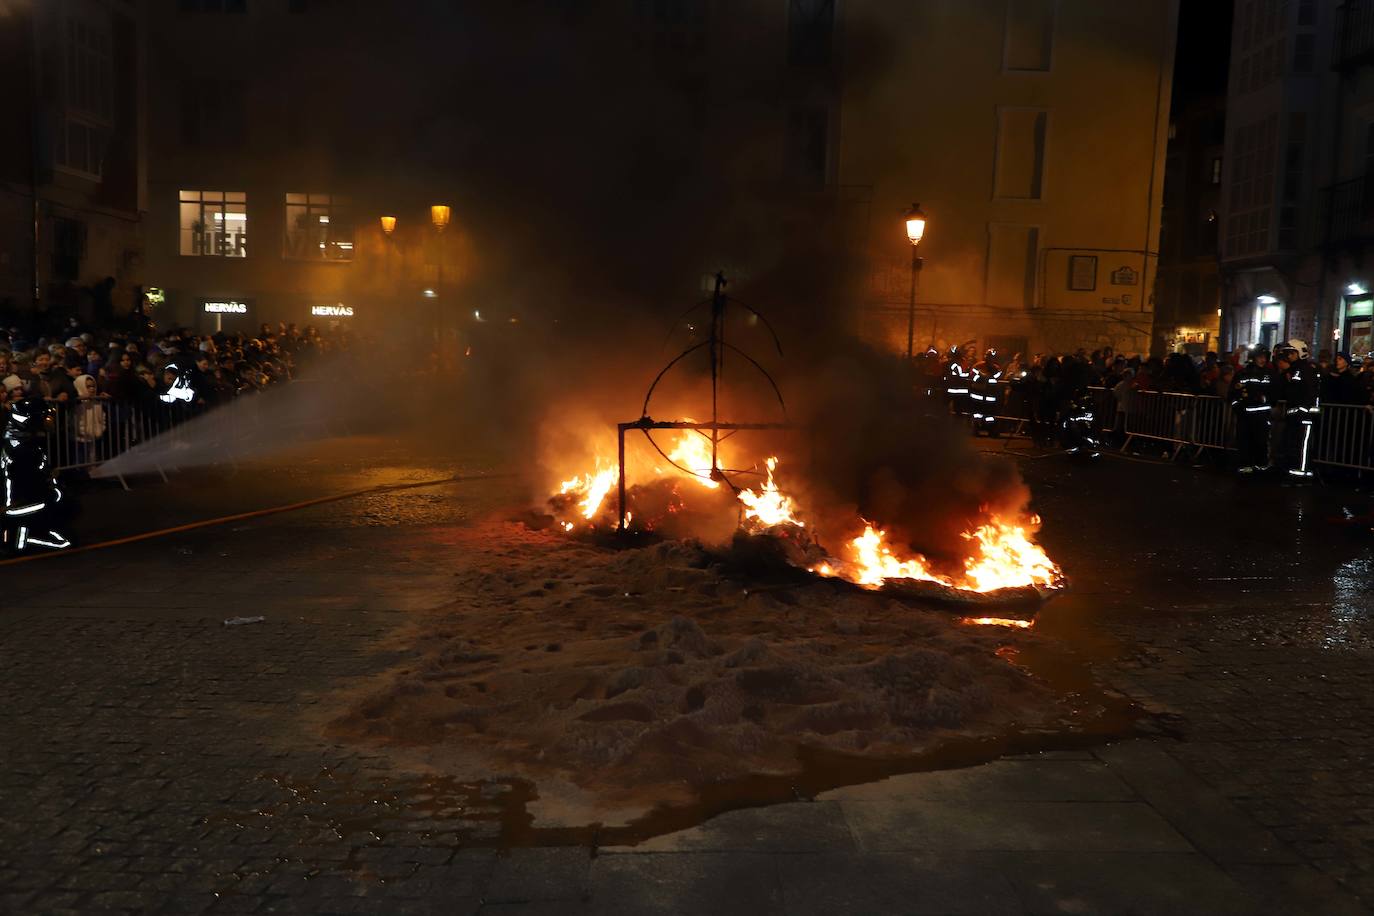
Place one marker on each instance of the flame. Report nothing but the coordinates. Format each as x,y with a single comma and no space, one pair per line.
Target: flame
998,622
590,489
1003,553
693,452
769,507
1006,558
874,561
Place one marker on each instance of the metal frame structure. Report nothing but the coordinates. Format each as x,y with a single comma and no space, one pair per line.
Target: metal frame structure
716,347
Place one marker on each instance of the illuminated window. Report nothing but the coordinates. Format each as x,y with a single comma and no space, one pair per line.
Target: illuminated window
214,223
83,129
318,228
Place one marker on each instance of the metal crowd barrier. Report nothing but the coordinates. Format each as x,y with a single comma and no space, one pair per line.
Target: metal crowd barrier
1345,436
1164,415
91,431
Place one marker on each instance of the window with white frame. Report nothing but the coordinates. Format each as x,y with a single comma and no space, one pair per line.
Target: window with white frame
318,228
83,129
214,224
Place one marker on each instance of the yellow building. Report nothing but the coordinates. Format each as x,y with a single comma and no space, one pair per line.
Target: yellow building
1033,133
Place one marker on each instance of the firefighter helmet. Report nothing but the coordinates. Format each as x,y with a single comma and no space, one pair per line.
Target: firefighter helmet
1298,347
26,416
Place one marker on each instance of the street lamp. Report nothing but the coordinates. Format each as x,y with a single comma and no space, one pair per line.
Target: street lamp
388,225
915,231
439,215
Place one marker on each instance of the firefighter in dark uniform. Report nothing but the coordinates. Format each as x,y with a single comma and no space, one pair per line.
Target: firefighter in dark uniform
1301,394
929,372
958,379
985,393
1076,412
31,505
1252,399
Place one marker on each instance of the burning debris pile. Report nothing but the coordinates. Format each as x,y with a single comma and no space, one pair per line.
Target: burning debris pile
1000,553
618,680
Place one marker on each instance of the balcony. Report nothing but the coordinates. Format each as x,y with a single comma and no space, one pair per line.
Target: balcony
1354,35
1349,211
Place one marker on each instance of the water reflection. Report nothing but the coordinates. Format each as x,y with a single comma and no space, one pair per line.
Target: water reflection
1350,604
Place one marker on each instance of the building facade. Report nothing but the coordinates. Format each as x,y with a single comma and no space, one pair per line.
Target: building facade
72,176
1033,133
1188,302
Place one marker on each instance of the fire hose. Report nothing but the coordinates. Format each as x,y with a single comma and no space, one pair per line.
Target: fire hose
255,513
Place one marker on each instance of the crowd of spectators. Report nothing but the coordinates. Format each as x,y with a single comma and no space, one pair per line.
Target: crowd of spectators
1342,379
130,368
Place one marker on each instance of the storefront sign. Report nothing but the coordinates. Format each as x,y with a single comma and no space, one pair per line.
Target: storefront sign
224,307
332,311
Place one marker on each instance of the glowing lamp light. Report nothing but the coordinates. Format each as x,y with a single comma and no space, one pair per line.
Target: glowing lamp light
1266,299
429,294
388,224
915,224
439,215
1356,289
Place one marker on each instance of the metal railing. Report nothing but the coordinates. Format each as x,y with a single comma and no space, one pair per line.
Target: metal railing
1345,436
1344,433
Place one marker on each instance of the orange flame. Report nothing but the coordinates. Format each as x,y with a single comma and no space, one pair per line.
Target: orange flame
1004,553
769,506
590,489
693,452
1006,558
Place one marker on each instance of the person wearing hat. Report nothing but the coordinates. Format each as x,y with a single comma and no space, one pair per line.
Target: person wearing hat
1339,384
1300,390
1251,399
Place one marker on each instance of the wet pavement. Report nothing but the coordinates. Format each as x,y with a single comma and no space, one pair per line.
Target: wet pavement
154,761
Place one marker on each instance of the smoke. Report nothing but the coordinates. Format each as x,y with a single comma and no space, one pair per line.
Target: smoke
597,177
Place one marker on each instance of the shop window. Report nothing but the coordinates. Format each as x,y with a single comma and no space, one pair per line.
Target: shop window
214,224
318,228
1020,153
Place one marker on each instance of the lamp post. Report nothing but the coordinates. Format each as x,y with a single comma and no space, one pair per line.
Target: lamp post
915,231
439,215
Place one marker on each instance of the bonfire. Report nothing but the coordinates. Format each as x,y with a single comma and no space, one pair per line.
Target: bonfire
1001,553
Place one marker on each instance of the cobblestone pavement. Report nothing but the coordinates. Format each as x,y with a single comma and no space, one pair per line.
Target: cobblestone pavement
1244,614
152,759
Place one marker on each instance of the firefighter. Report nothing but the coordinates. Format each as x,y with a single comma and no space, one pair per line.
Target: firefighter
1301,394
928,372
959,378
985,393
1252,395
30,522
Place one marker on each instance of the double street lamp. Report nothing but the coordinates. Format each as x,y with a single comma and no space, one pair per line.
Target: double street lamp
915,231
439,216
